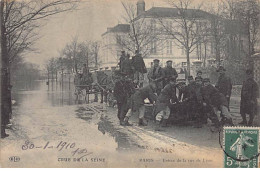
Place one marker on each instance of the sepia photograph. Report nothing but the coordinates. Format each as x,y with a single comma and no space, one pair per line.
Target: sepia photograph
130,83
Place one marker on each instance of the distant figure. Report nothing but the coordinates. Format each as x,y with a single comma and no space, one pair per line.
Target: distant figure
249,94
156,75
84,70
121,59
224,84
169,72
139,69
199,74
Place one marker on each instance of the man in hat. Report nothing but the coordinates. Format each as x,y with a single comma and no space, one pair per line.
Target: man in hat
164,101
224,84
139,68
212,97
156,74
169,72
249,94
137,103
123,89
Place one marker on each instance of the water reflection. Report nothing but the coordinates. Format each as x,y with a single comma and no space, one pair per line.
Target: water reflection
56,94
123,140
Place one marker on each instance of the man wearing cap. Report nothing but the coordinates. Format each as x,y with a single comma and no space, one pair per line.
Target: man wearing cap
224,84
123,89
139,68
137,103
212,97
249,94
121,59
156,74
164,101
169,72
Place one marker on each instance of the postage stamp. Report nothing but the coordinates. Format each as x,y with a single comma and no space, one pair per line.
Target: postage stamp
241,147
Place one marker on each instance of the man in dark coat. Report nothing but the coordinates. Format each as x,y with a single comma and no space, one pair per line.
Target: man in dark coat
164,101
139,68
212,97
121,59
156,74
137,102
169,72
126,66
249,94
123,89
224,84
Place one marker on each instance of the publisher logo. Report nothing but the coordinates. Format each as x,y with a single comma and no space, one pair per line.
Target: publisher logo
14,159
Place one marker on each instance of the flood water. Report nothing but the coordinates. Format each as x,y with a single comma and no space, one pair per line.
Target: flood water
35,98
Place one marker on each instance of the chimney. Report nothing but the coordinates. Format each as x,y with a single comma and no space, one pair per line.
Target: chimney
140,7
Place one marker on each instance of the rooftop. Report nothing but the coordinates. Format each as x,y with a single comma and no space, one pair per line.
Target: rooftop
120,28
163,12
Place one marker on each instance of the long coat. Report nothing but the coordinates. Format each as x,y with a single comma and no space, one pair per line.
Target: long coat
137,99
213,97
224,85
249,94
126,67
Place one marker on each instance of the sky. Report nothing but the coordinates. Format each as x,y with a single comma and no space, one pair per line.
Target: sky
89,22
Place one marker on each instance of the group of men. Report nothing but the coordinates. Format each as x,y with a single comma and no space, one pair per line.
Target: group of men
200,100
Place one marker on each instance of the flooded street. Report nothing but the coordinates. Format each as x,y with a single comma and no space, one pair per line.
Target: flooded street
49,125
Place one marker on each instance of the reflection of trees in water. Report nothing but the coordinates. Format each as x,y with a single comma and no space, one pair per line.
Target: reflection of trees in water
124,142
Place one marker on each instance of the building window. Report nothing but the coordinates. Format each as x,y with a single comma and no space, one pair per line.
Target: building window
153,47
169,46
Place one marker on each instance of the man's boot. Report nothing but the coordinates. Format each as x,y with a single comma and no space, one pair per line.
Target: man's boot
158,126
244,122
125,122
142,122
250,122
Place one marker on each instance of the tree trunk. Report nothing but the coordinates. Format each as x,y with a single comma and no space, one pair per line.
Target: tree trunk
188,61
205,57
6,108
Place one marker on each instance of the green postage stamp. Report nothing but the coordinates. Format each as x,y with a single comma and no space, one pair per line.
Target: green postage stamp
241,147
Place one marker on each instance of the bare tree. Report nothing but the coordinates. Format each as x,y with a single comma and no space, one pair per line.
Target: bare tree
142,31
185,30
19,21
80,53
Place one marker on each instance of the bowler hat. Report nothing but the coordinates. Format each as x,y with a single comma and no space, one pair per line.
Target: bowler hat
156,60
221,68
169,61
